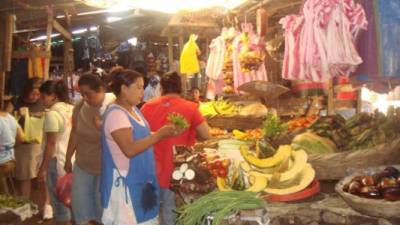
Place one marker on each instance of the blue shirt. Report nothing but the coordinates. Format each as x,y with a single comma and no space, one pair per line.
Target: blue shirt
8,133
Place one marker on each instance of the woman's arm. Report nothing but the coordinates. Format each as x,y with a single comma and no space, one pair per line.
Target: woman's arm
130,147
49,150
71,148
203,131
20,137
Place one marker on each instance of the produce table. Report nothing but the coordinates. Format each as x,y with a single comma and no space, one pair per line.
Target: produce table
323,209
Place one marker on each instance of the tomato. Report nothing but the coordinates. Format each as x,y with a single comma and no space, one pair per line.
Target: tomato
218,164
214,173
209,167
222,172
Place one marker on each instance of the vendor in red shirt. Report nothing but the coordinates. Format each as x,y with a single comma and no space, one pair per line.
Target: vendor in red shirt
156,112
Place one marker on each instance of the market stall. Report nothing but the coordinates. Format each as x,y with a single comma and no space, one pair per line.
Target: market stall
275,77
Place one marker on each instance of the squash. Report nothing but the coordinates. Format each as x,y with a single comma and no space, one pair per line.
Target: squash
312,144
301,182
259,183
222,185
282,153
300,161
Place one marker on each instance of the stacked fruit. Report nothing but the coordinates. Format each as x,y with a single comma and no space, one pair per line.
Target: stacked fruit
219,107
250,61
302,122
285,172
382,185
227,69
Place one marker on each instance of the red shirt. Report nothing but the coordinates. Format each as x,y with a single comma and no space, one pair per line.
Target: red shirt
156,112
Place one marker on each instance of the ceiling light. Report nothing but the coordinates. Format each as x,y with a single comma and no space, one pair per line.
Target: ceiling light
79,31
132,41
43,37
93,28
170,6
60,16
112,19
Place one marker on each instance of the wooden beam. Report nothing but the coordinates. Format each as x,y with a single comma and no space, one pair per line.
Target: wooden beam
49,30
331,103
359,101
65,33
30,54
9,28
170,49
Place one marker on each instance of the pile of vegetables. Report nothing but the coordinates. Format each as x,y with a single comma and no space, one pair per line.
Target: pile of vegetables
178,120
219,205
272,126
7,201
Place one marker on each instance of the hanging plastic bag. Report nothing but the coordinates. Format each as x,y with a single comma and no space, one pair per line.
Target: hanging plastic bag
189,64
64,188
33,128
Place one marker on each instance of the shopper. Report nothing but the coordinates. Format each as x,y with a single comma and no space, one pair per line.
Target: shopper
129,187
10,132
153,89
27,154
85,143
56,130
156,112
195,95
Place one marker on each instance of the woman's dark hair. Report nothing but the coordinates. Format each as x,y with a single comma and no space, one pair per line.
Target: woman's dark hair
58,88
120,76
31,84
92,81
171,83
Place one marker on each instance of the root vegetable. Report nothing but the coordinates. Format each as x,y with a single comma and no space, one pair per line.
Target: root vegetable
177,175
189,174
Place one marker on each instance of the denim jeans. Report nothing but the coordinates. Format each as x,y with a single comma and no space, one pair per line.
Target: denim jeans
60,212
168,207
85,198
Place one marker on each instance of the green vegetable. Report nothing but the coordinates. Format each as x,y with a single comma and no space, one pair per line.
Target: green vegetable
178,120
7,201
272,126
219,205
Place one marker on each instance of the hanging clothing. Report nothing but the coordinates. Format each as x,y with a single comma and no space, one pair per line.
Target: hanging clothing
189,64
36,66
319,43
254,44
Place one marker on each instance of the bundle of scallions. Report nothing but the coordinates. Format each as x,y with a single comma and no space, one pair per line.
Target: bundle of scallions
218,204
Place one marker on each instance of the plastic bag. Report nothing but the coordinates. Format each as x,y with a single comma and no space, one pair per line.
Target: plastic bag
189,63
64,188
33,129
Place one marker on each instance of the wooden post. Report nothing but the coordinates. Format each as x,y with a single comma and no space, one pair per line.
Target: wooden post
9,29
331,106
181,40
359,101
183,76
6,30
68,50
49,29
170,50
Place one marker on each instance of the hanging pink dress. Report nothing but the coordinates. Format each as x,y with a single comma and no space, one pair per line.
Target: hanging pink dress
256,44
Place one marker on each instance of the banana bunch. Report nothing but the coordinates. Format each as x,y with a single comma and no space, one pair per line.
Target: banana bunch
223,107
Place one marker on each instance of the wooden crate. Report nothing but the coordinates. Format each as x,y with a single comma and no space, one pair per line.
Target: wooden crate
235,122
335,166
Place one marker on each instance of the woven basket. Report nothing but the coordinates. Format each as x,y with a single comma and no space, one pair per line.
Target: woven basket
371,207
335,166
235,122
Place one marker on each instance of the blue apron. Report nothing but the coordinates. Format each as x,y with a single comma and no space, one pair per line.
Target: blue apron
141,180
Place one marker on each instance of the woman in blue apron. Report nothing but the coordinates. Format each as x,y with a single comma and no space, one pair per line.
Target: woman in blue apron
129,187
